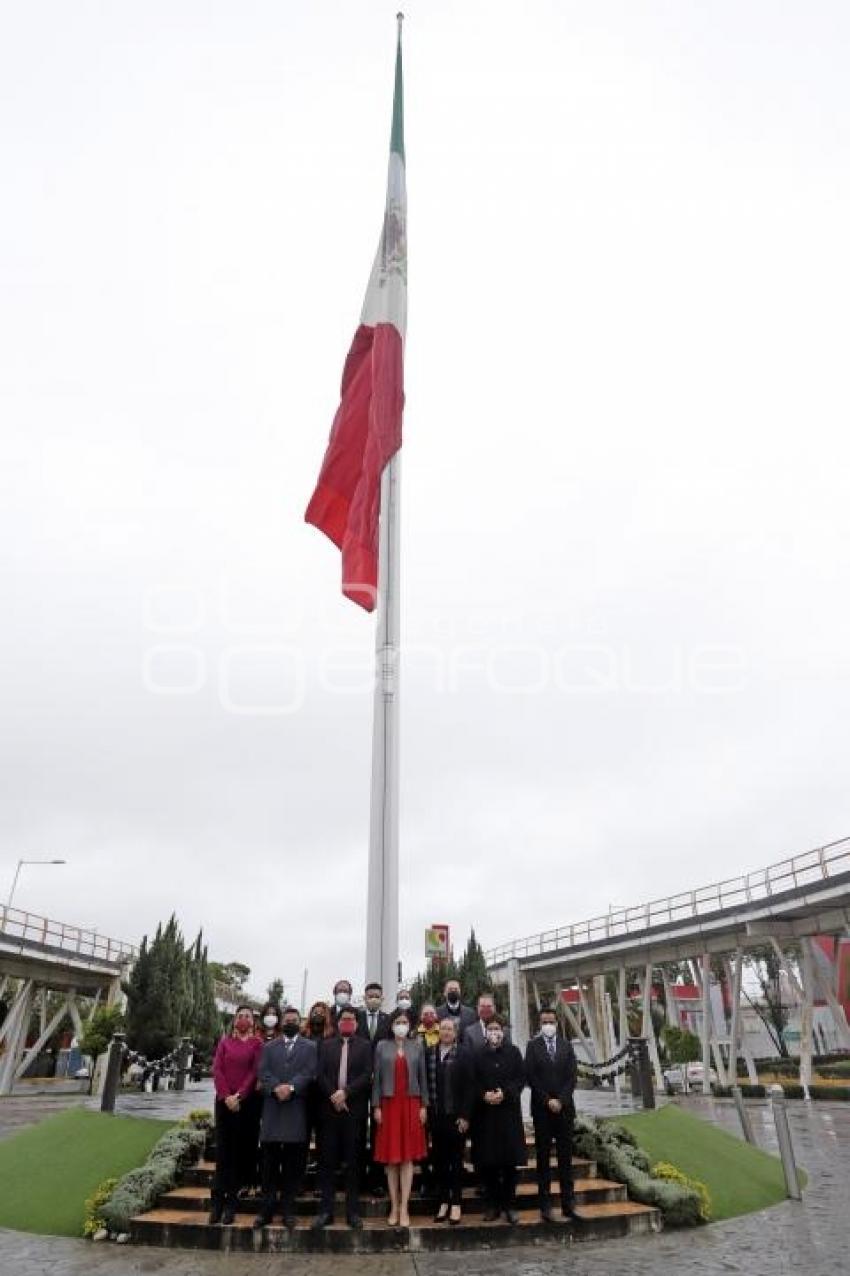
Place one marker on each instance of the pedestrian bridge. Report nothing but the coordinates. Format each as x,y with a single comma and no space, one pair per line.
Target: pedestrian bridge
39,956
788,904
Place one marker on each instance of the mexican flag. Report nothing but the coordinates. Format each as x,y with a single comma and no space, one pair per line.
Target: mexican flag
366,430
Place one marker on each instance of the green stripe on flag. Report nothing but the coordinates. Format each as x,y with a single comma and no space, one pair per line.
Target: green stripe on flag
397,135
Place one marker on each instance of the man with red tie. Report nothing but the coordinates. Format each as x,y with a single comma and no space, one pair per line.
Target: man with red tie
344,1081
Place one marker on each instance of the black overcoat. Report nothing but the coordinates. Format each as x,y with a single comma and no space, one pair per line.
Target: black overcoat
498,1134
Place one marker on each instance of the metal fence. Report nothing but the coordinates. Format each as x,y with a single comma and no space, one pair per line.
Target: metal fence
28,928
808,868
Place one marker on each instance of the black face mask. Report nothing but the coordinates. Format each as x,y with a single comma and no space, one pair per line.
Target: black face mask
453,999
290,1029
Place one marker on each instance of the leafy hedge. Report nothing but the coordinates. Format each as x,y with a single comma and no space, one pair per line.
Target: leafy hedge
664,1170
616,1152
791,1090
139,1189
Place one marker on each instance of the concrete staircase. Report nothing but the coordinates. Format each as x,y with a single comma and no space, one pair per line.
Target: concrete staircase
602,1210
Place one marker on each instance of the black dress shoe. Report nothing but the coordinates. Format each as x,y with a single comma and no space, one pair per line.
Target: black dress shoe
356,1222
568,1207
321,1220
215,1215
546,1214
511,1217
289,1222
489,1216
263,1220
228,1218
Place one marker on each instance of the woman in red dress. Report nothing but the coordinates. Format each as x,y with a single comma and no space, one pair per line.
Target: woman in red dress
400,1109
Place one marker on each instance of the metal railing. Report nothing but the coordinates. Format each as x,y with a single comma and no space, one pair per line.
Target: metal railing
76,941
805,869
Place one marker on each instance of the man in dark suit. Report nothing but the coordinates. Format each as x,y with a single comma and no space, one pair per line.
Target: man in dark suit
475,1033
453,1008
344,1082
551,1072
287,1070
341,998
373,1023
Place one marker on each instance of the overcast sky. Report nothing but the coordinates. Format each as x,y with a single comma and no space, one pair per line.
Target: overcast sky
626,527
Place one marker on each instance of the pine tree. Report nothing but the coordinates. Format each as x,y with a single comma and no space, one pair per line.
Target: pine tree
204,1022
472,971
158,993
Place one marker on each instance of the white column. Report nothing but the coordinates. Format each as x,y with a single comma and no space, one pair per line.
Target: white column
591,1026
518,1004
15,1035
383,888
706,1023
623,998
734,978
806,1017
648,1027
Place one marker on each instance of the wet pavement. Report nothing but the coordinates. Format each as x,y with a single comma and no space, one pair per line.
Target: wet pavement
809,1236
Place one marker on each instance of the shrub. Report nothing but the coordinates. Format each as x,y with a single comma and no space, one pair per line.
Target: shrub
93,1220
138,1190
670,1174
747,1091
837,1070
200,1118
793,1090
839,1092
616,1152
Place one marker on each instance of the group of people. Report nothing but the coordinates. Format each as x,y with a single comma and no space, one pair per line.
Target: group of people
383,1090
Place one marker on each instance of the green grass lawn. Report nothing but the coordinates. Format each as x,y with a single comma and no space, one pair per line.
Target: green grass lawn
48,1170
739,1177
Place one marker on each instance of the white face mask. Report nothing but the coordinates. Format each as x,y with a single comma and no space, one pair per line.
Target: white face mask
342,998
549,1030
403,1003
401,1029
494,1036
270,1021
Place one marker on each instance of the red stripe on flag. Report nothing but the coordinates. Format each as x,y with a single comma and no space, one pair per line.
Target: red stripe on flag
365,434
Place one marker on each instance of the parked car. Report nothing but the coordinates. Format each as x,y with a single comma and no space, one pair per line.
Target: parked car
686,1077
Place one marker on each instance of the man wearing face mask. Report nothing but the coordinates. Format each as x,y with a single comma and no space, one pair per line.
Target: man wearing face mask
475,1035
344,1081
342,998
287,1069
403,1006
550,1067
373,1023
453,1008
498,1134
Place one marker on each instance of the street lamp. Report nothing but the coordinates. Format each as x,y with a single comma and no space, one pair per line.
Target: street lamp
17,875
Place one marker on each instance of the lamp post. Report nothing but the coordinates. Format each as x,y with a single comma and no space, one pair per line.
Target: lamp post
21,863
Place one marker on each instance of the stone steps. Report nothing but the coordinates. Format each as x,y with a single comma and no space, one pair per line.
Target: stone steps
188,1229
202,1174
588,1191
602,1211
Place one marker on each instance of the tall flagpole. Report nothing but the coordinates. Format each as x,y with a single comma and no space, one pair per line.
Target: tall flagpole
382,913
382,917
